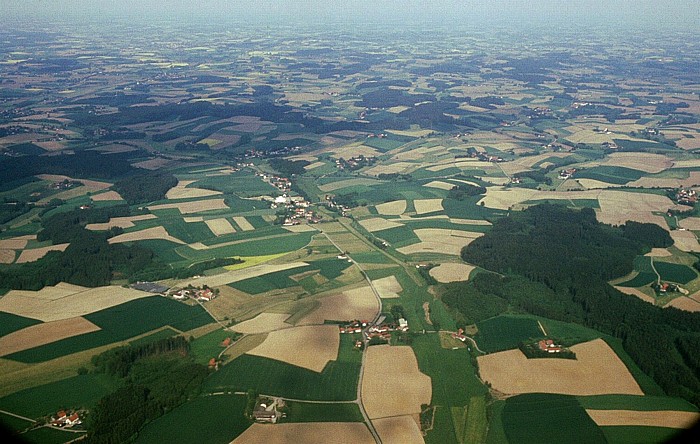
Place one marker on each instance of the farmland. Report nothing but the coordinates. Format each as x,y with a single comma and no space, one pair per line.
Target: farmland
478,186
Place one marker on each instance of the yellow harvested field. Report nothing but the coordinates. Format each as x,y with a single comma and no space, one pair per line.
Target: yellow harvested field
348,183
306,433
220,226
688,143
353,150
393,208
647,162
439,185
37,253
158,232
314,165
511,372
424,206
15,243
387,287
302,228
470,221
194,206
106,196
659,252
384,394
617,207
66,301
684,303
398,430
451,272
504,198
7,256
439,240
180,191
638,293
309,347
685,241
391,168
378,224
121,222
692,180
359,303
236,275
45,333
592,184
692,163
689,223
262,323
654,418
243,223
91,185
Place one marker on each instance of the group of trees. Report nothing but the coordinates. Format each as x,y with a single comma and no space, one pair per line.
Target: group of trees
145,187
157,377
555,262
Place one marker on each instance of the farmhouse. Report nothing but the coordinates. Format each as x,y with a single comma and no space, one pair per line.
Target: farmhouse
63,419
549,346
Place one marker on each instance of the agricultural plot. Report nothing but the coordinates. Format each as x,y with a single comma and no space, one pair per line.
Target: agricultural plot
220,226
384,396
311,433
34,254
65,301
158,232
268,282
378,224
616,175
685,241
224,421
387,287
243,224
638,403
183,191
639,434
241,274
511,372
262,323
393,208
451,272
398,237
337,381
190,207
319,412
119,323
438,240
424,206
11,322
398,430
359,303
121,222
47,332
310,347
522,420
678,273
651,418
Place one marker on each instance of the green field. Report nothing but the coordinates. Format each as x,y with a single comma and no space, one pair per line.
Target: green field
640,280
642,145
47,435
242,183
610,174
454,385
632,402
12,424
121,323
398,236
209,346
505,332
678,273
469,209
545,418
10,322
268,282
45,399
337,382
315,412
220,418
640,434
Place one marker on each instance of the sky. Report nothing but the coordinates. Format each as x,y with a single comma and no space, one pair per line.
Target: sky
669,14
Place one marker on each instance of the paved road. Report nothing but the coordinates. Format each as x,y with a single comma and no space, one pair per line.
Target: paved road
368,422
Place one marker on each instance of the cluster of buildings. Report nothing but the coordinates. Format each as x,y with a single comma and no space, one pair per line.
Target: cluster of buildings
205,294
333,205
567,173
65,419
459,335
298,210
686,196
281,183
668,287
267,410
355,163
548,345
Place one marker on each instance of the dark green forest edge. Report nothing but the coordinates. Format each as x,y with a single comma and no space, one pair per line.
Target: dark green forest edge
555,262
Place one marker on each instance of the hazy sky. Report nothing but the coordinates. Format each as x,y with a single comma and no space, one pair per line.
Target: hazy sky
683,14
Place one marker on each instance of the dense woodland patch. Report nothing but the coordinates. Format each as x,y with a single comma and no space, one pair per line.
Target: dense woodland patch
555,262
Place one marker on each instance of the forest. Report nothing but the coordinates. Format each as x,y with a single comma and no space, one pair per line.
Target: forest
157,377
555,262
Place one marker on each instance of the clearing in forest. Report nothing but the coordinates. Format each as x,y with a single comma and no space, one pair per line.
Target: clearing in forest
512,373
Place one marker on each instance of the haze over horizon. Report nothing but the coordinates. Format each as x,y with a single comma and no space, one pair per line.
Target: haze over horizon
620,14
